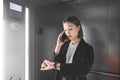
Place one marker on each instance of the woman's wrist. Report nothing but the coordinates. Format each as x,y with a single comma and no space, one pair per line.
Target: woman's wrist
56,66
57,48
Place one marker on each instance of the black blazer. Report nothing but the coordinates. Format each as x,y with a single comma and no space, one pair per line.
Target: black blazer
81,65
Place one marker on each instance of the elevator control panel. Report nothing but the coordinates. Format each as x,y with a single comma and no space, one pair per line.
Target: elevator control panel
15,10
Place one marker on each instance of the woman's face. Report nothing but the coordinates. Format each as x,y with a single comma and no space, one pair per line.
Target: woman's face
71,30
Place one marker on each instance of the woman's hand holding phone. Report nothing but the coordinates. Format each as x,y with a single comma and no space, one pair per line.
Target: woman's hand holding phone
60,42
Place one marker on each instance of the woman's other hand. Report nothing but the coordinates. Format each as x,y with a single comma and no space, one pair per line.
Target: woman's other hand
47,65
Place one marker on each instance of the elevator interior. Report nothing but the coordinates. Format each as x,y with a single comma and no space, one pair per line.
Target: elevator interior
100,22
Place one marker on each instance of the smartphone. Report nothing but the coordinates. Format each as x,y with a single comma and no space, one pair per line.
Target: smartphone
64,37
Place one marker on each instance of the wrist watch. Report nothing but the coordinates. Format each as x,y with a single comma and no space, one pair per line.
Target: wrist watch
54,66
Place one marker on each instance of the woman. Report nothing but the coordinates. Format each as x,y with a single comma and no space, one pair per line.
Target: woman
73,57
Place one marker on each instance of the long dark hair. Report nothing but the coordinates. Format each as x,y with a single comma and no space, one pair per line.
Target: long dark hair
76,21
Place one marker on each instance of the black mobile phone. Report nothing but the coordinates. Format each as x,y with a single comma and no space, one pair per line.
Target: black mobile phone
64,37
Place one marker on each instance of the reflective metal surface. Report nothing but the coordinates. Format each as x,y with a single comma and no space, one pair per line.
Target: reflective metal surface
100,22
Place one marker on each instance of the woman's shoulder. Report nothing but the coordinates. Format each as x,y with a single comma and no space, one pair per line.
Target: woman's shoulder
88,48
85,44
89,45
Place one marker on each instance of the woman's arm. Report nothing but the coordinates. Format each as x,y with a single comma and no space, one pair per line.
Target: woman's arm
59,43
67,69
80,68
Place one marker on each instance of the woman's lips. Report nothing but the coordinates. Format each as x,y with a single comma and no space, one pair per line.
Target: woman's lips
68,36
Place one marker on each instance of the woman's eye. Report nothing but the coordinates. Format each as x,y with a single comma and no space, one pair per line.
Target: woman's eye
70,29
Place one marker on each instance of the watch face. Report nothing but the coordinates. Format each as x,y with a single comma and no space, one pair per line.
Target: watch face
55,65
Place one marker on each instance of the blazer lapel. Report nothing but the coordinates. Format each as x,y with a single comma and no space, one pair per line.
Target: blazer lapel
79,49
65,50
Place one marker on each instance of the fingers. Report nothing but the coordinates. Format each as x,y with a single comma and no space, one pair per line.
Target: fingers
62,32
45,65
60,35
66,40
45,68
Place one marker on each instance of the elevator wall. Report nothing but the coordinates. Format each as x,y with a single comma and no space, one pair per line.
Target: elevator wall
14,41
100,22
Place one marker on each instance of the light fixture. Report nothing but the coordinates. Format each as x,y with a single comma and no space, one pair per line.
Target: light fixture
1,40
26,43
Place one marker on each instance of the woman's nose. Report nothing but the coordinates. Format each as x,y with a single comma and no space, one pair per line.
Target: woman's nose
67,32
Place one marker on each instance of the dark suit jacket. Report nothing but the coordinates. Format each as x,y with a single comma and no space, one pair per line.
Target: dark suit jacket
81,65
